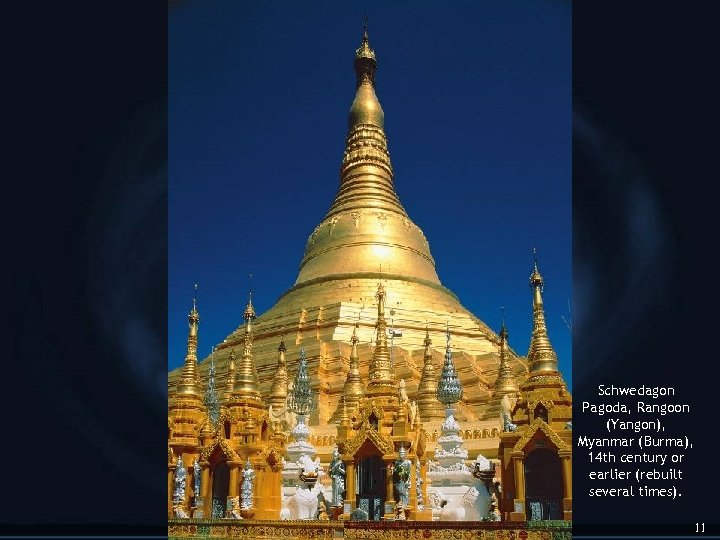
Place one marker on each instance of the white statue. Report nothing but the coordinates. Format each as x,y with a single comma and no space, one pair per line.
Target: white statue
304,503
464,511
198,479
179,490
506,416
476,503
234,512
246,489
413,412
402,392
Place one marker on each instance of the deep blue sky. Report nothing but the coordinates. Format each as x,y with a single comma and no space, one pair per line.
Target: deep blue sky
477,104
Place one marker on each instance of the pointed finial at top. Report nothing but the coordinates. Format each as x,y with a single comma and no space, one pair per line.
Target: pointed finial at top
449,389
194,316
249,309
354,338
536,279
503,330
365,62
427,341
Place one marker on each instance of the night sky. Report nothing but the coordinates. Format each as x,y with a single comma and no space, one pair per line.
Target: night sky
477,101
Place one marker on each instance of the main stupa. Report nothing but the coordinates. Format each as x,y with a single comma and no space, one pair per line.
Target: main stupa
367,238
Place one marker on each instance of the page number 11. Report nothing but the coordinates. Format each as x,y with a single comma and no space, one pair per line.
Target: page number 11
699,527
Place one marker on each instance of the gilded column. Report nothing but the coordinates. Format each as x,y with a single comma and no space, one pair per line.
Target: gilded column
423,475
518,511
234,478
350,484
412,499
171,478
566,457
205,485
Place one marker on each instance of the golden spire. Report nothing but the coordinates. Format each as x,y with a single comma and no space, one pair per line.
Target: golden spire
246,382
505,383
353,389
366,221
230,383
541,356
249,313
189,383
343,417
381,379
428,405
279,390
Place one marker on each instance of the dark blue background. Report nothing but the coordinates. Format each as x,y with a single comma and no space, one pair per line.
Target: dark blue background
645,163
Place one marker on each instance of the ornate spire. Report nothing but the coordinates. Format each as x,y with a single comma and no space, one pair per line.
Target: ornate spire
189,383
249,314
343,418
354,388
230,382
541,356
505,383
279,390
301,396
449,390
381,379
366,220
246,382
428,405
365,61
211,396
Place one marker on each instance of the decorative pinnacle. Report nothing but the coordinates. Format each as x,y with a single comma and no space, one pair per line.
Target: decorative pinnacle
365,61
449,390
541,355
279,388
230,384
249,314
194,316
211,396
536,279
301,397
503,330
189,382
505,382
353,389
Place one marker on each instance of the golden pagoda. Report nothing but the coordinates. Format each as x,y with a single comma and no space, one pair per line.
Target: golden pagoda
366,259
365,238
536,452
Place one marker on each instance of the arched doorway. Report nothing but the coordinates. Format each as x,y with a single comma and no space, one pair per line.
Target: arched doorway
371,485
543,485
220,488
